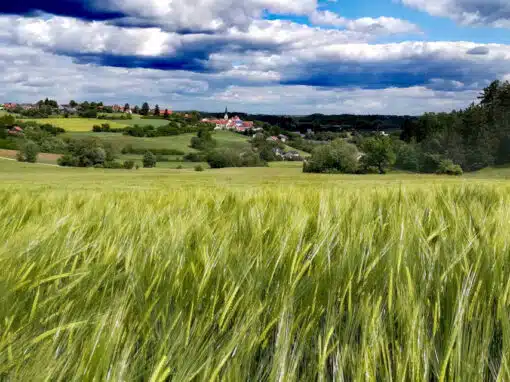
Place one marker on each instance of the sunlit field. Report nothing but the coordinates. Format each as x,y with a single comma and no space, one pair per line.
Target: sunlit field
257,274
77,124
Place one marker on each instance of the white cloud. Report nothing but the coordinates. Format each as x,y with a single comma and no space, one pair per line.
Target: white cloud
488,12
377,26
206,14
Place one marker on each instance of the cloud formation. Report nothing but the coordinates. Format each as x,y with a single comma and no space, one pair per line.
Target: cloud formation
209,52
472,12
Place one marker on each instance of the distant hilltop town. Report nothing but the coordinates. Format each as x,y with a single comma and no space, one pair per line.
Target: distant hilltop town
235,123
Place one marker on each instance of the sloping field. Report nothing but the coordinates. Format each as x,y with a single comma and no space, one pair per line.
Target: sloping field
78,124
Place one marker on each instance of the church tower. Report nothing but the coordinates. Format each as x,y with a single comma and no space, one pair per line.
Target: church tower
226,114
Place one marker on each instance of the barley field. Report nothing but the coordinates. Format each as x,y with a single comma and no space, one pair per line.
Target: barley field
252,275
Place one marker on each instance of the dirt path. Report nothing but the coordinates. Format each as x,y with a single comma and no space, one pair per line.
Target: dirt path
11,155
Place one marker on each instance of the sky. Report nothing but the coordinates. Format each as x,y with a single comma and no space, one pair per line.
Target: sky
296,57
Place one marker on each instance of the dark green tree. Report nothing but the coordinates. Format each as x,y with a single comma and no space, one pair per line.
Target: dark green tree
126,108
145,109
149,160
157,111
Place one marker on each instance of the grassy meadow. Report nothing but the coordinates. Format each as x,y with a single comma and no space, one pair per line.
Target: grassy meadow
76,124
255,274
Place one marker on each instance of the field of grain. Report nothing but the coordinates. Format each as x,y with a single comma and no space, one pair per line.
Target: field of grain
252,275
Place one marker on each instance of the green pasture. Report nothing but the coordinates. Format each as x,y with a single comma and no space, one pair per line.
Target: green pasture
77,124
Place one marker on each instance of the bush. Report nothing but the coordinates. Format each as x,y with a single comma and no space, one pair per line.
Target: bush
68,160
447,167
179,167
199,168
408,158
195,157
203,140
337,157
129,164
129,149
149,160
87,152
429,163
113,165
8,144
28,152
221,158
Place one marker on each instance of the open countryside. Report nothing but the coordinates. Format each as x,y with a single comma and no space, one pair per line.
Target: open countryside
272,248
254,190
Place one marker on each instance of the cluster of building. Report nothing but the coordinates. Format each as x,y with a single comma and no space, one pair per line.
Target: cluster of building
235,123
11,106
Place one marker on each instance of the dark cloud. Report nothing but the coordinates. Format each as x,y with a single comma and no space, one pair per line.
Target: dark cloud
479,51
193,63
73,8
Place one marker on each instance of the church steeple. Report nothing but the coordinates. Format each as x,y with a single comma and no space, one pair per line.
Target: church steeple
226,114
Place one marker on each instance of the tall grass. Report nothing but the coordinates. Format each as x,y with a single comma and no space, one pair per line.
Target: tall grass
267,284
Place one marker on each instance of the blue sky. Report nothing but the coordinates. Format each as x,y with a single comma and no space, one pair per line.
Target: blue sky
259,56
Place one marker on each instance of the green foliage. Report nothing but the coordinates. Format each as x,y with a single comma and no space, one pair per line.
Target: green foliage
115,165
87,152
157,112
195,157
28,152
129,164
149,160
447,167
203,140
227,157
129,149
378,153
337,157
145,109
408,157
199,168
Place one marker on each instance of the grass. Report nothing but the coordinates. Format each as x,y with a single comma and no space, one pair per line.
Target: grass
177,142
253,274
77,124
156,122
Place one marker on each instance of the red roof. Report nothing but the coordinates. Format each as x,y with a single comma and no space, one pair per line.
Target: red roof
17,128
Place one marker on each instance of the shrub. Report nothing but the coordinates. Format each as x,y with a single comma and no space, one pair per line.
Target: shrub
429,163
68,160
408,158
8,144
113,165
447,167
195,157
129,164
28,152
221,158
179,167
149,160
199,168
87,152
129,149
337,157
203,140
